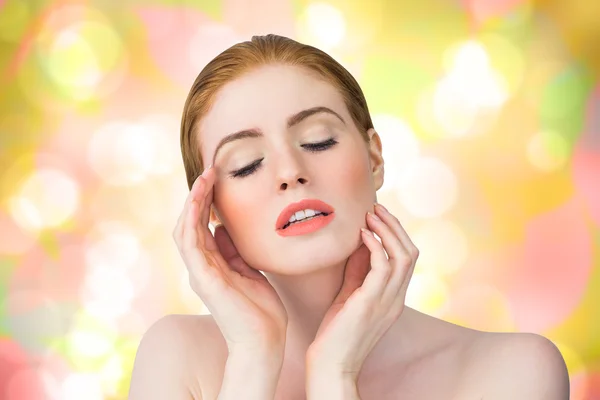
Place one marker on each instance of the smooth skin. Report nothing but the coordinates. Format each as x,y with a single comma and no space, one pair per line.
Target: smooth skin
243,303
336,286
495,366
371,298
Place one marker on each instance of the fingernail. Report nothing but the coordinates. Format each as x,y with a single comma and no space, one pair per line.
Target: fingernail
380,206
375,217
368,232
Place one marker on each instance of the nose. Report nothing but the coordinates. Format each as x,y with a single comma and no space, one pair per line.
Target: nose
291,182
290,174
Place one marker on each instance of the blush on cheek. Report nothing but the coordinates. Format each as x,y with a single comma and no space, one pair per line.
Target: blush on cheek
354,173
237,213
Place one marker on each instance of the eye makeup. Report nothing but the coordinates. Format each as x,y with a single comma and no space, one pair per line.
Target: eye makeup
312,147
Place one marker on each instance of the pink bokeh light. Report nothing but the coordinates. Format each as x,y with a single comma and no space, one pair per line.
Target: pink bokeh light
586,159
25,384
586,386
482,10
554,270
182,40
57,279
12,358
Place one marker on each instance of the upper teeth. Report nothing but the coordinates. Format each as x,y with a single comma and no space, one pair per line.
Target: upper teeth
299,215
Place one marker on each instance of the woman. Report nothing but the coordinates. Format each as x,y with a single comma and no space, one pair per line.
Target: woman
295,164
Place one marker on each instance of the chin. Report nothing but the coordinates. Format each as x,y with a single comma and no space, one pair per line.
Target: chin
322,255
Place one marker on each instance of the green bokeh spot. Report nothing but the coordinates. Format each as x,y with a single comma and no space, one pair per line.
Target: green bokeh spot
562,109
212,8
7,265
393,85
50,244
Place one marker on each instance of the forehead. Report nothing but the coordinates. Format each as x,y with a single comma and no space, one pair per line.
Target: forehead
264,99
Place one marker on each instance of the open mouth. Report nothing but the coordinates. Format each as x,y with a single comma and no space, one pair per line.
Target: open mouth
306,219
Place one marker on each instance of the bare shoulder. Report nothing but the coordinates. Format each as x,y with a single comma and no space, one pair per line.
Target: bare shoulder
515,366
175,358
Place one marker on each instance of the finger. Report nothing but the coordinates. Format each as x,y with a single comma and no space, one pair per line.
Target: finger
357,268
398,262
207,196
231,256
391,243
178,231
195,253
190,234
225,244
397,228
375,281
193,214
403,265
203,195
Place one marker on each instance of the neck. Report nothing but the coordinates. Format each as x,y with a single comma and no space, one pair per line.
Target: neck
306,297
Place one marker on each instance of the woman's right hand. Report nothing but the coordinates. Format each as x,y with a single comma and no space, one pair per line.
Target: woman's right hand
243,303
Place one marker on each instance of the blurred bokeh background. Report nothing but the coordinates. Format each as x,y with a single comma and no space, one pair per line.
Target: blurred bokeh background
489,113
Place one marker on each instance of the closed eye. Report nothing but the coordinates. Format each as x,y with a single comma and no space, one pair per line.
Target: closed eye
312,147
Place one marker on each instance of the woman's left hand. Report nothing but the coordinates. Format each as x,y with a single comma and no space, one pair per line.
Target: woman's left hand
370,300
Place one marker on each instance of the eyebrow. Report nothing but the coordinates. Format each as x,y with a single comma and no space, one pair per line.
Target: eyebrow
291,121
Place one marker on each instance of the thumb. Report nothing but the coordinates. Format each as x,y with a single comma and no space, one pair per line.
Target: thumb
357,268
225,244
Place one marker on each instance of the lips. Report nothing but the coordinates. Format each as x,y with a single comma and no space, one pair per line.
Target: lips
313,204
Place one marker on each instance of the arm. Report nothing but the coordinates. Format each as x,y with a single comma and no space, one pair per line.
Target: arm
251,375
331,385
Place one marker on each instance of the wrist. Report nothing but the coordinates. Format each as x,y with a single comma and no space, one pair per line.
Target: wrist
271,356
333,385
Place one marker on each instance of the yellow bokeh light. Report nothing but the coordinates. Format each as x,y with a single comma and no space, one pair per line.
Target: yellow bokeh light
574,361
90,341
73,64
81,51
111,374
428,188
79,386
121,153
505,58
466,99
47,199
90,344
443,246
426,292
108,289
325,25
15,15
400,147
547,151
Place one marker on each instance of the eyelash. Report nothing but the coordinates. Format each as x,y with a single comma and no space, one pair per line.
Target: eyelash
312,147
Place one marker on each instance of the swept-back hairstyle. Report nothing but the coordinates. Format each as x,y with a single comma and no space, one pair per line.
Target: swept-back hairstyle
246,56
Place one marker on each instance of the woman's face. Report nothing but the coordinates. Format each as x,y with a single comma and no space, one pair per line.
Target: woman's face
260,174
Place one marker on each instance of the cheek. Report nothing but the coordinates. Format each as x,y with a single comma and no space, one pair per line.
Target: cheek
236,209
353,175
226,202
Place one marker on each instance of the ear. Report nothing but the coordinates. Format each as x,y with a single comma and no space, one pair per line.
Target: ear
376,158
214,220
